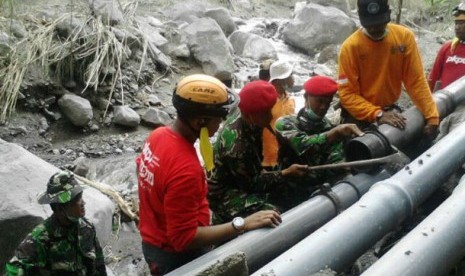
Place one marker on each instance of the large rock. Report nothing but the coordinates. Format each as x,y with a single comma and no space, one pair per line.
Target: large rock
187,11
252,46
22,177
109,11
315,27
155,117
77,109
210,48
223,18
126,116
151,33
156,43
343,5
177,39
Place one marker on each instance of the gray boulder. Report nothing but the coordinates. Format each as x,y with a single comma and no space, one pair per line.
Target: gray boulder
22,177
77,109
181,51
210,48
187,11
252,46
109,10
151,33
125,116
155,117
343,5
156,43
315,27
223,18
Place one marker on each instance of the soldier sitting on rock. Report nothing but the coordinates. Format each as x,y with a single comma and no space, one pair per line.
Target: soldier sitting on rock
309,138
66,242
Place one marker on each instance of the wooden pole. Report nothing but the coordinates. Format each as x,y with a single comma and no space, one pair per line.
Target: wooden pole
399,11
112,193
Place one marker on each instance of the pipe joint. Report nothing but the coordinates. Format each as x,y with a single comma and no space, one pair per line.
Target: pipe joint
394,197
371,145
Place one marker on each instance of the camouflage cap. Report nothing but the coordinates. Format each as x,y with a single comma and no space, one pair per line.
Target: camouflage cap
61,188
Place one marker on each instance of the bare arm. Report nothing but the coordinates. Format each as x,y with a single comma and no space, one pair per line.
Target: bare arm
209,235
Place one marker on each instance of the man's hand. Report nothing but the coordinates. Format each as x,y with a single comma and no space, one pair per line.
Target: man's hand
431,131
295,170
260,219
342,131
394,119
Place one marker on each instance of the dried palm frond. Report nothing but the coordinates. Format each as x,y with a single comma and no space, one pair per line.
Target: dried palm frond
85,56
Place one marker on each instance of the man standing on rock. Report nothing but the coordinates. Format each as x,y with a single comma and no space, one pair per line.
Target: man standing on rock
238,186
66,242
174,211
450,61
374,62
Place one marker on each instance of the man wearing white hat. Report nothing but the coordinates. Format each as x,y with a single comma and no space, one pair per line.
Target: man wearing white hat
282,79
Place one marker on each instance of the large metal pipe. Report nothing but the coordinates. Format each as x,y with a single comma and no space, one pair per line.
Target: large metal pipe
342,240
433,247
378,143
262,245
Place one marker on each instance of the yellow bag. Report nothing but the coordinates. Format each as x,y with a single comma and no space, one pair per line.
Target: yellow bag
206,149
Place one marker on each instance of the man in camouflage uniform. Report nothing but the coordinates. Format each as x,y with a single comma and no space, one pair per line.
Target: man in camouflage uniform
66,242
309,138
238,186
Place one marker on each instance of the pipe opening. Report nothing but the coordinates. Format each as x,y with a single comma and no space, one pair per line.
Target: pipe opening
371,145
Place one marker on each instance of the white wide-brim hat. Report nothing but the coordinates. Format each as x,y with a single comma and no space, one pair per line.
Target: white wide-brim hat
280,70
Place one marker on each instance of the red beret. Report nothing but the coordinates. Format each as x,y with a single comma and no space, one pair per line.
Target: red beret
257,96
320,86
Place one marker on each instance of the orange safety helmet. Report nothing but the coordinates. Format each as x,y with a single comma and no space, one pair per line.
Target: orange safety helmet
203,95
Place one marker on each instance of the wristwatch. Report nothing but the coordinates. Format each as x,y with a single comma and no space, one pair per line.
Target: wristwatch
239,224
379,115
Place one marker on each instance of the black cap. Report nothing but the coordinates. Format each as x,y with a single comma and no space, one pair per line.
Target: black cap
373,12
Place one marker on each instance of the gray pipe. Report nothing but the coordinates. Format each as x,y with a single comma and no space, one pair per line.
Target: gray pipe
378,143
262,245
433,247
341,241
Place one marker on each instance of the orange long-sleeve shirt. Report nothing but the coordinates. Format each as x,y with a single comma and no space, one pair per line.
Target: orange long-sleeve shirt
284,106
371,74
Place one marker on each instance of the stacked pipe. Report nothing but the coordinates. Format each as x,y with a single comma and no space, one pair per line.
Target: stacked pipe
341,241
433,247
262,245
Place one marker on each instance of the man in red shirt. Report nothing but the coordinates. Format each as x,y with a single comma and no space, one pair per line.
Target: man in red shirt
450,61
174,211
